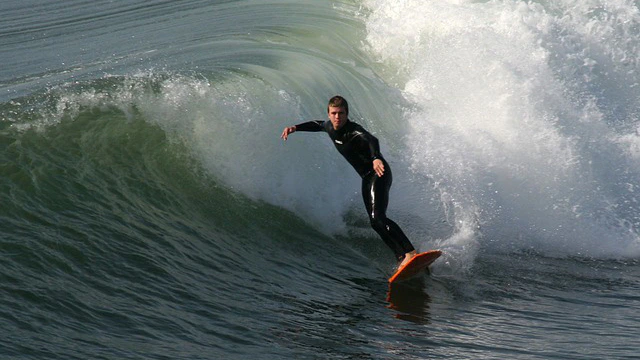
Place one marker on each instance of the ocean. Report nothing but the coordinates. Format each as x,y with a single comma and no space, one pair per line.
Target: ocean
149,209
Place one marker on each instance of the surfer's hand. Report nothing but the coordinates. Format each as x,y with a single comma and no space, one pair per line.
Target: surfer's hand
288,130
378,167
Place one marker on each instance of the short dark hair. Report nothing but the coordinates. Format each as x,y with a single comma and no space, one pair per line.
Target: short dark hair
339,101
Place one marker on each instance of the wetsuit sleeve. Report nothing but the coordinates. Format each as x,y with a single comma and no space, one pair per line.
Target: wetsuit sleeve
312,126
374,147
371,143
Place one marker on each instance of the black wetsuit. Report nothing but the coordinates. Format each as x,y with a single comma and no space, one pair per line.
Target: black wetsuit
360,148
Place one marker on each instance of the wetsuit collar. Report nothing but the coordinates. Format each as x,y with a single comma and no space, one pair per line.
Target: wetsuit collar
343,127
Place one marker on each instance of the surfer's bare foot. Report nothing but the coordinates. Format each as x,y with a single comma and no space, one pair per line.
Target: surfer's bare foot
408,256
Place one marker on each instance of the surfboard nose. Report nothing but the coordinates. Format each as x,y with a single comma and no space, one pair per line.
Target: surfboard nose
415,266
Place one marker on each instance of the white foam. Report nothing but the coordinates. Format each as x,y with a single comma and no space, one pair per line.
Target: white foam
521,116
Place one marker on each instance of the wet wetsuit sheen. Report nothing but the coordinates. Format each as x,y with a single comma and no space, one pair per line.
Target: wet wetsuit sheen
360,148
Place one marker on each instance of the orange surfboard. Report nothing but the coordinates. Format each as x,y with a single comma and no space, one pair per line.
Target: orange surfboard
416,265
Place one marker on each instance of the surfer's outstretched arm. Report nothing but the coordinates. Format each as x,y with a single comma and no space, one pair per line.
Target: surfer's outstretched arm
312,126
288,130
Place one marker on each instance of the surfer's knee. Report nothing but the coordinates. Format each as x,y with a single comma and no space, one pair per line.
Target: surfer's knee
378,224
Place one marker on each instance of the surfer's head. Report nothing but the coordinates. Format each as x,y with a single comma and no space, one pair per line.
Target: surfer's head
340,102
338,110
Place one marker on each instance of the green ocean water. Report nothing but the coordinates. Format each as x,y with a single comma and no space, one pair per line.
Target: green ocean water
149,210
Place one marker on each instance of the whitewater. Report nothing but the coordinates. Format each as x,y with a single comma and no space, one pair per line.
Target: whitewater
150,210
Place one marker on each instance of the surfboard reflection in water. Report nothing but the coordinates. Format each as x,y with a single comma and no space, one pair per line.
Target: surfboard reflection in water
410,300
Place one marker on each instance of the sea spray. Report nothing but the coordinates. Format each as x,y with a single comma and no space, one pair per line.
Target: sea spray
524,114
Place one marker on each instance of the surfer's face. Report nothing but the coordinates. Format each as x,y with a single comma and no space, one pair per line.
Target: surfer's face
338,117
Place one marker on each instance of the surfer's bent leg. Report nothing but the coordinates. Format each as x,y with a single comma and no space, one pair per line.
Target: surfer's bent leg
375,192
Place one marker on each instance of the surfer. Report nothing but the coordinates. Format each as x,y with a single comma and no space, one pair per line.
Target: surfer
362,151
